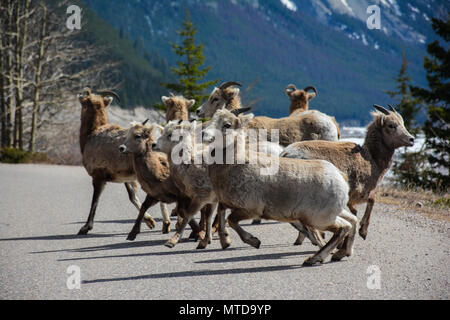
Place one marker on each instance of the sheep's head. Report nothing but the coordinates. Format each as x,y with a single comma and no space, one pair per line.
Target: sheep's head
300,97
225,122
140,138
177,107
393,131
220,98
175,132
95,102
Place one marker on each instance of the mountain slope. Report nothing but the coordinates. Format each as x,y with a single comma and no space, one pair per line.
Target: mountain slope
324,43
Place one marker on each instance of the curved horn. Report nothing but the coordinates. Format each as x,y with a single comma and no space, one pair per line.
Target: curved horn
237,112
145,122
311,88
291,86
109,93
171,94
88,90
392,108
228,84
381,109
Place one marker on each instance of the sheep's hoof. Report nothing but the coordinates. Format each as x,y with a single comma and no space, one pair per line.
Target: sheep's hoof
84,230
202,245
169,244
256,221
339,255
254,242
312,261
131,236
363,233
166,227
150,222
174,213
298,243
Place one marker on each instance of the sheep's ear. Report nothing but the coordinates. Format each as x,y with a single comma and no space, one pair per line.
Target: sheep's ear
191,103
246,118
165,99
107,101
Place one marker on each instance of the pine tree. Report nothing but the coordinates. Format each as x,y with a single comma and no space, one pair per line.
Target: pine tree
189,70
408,106
437,126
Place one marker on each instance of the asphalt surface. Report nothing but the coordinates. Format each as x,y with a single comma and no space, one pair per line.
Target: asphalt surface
43,207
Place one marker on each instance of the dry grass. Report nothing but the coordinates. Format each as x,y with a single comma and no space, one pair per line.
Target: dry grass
432,205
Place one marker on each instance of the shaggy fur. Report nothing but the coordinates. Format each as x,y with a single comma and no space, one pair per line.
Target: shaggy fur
177,107
313,192
364,165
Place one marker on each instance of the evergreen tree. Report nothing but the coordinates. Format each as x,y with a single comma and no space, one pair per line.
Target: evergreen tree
189,71
407,104
437,126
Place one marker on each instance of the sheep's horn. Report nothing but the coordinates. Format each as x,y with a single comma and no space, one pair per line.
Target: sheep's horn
109,93
171,94
88,90
291,86
392,108
237,112
311,88
381,109
145,122
228,84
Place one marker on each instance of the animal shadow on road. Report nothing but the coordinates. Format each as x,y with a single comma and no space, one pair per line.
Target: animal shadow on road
196,273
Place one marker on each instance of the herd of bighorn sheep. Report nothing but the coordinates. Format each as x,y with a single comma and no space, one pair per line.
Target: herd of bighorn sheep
210,167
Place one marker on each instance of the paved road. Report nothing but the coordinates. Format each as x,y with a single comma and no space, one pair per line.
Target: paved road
43,207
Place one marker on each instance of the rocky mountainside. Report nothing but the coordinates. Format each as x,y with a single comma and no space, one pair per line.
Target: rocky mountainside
271,43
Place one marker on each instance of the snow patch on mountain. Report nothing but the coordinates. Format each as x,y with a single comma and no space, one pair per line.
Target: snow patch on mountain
289,4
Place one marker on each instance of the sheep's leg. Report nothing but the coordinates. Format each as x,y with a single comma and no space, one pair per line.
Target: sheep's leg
352,209
233,220
132,188
256,221
224,235
99,186
346,249
166,218
208,211
312,234
340,228
148,202
216,223
366,218
187,216
196,230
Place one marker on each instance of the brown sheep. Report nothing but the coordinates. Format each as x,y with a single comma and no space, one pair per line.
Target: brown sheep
364,165
300,102
310,125
177,107
152,170
99,143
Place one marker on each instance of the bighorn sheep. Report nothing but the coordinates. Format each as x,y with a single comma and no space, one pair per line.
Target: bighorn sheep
177,107
191,178
310,125
314,192
99,143
152,170
300,102
364,165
